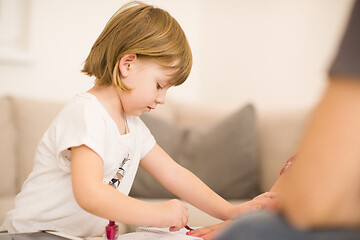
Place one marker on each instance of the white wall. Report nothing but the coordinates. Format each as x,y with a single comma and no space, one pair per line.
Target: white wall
273,53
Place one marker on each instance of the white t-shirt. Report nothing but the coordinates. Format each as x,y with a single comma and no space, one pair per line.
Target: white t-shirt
46,201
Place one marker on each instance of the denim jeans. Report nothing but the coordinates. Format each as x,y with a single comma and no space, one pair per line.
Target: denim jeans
263,225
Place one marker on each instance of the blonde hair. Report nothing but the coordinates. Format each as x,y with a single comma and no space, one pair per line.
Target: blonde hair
144,30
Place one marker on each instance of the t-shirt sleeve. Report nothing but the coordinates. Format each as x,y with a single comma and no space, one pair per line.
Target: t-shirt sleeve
80,125
347,61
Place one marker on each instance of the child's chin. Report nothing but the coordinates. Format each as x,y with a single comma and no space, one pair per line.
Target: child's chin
137,114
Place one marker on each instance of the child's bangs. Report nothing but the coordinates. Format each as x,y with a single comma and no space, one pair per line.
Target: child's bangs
168,45
180,68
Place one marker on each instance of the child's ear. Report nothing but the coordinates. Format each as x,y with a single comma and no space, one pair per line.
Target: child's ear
125,63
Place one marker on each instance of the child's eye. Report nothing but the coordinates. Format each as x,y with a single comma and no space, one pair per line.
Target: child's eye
158,86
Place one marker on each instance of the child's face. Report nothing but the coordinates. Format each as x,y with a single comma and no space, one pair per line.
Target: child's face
149,83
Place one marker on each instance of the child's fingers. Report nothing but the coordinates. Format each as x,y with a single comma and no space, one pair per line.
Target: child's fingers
174,229
267,195
179,226
274,206
173,214
255,204
182,223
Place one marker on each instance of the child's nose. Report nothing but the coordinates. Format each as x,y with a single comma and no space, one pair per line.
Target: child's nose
161,98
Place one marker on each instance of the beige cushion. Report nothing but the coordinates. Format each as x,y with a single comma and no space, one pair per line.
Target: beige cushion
8,157
6,204
33,117
280,133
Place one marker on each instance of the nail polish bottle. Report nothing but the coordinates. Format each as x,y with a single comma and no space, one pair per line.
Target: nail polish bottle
112,231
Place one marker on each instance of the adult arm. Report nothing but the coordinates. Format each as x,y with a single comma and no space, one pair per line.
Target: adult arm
322,186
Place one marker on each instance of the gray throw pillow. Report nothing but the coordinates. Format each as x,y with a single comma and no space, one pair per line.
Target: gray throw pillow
169,137
224,156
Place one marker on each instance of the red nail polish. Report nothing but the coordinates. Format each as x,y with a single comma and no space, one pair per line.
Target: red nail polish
112,231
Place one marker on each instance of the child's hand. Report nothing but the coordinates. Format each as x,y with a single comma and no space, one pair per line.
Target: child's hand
267,200
173,214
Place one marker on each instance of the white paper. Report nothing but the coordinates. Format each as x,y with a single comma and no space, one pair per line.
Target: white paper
149,233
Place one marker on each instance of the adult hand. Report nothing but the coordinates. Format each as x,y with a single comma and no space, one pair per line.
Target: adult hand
266,200
209,232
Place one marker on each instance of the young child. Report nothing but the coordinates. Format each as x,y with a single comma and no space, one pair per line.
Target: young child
86,161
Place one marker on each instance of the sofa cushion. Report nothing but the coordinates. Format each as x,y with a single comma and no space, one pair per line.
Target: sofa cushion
8,161
227,149
279,135
6,204
33,117
167,135
170,138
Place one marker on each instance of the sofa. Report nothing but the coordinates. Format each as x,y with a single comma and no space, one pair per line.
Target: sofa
237,150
